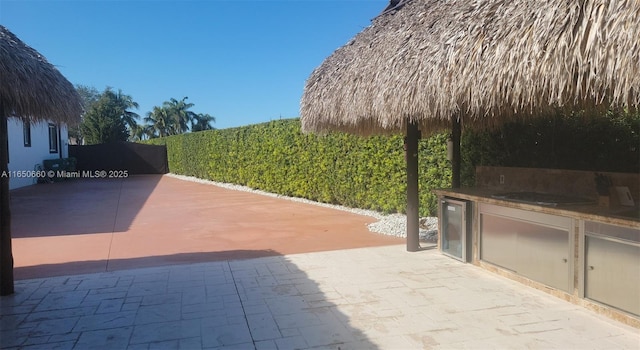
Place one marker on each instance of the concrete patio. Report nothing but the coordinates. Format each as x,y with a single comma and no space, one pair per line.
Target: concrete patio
97,225
368,298
350,289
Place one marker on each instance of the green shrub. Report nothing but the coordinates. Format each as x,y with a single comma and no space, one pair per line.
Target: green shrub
575,141
370,172
337,168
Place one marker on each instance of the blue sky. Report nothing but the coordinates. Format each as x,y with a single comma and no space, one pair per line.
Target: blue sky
244,62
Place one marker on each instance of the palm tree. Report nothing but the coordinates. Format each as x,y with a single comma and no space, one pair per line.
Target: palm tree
126,102
159,122
140,132
180,113
202,121
174,117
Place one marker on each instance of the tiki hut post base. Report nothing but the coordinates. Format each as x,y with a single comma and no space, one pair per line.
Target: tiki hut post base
6,255
413,219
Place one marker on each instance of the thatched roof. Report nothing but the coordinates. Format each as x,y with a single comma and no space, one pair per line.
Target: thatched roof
483,61
30,87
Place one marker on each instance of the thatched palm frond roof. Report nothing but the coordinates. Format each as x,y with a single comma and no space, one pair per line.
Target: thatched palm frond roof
30,87
485,61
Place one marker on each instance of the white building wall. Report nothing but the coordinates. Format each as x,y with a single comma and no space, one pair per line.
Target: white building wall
23,158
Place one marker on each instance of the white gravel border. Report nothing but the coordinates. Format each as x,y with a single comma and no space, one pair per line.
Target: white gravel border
391,224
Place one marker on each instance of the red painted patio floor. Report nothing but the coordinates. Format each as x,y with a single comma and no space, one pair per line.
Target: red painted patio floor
94,225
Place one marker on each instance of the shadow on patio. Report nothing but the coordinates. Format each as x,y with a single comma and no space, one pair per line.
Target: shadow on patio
107,265
79,206
259,303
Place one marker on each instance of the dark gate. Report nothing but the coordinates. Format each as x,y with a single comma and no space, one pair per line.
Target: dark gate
136,158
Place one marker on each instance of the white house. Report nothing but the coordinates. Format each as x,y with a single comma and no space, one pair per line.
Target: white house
29,145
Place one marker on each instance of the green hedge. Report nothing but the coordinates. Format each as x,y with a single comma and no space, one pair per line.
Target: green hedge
575,141
370,172
337,168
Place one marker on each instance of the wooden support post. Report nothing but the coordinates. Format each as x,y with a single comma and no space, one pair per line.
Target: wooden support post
413,202
6,255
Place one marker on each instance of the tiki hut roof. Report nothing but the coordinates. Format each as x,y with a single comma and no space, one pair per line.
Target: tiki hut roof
30,87
484,61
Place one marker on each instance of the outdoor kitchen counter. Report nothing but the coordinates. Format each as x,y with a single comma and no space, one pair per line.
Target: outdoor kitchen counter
592,212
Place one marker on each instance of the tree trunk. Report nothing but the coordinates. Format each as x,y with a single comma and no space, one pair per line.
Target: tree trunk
6,255
413,201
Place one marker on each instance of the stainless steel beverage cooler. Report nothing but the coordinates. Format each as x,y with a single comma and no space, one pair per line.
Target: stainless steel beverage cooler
455,228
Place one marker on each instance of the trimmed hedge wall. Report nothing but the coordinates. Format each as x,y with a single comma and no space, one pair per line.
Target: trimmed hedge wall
370,172
337,168
574,141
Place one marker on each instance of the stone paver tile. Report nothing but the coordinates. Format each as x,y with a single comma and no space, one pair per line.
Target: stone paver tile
356,345
255,309
519,317
105,321
155,274
193,295
233,309
289,332
147,288
39,293
241,346
110,305
163,331
161,299
158,313
124,281
211,304
63,300
231,298
14,337
68,345
236,320
214,321
17,309
538,327
57,314
225,336
98,283
167,344
107,339
11,321
130,306
36,339
295,342
94,299
297,319
266,345
263,326
64,288
286,305
58,326
56,338
194,343
283,290
133,299
623,342
324,335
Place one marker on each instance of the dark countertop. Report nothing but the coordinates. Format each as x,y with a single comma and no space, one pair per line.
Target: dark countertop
592,212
